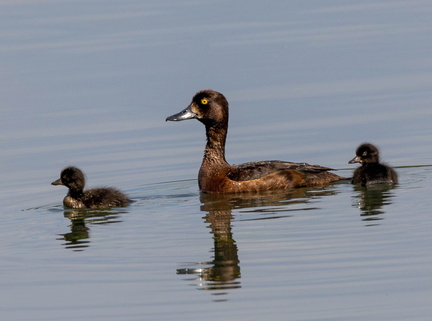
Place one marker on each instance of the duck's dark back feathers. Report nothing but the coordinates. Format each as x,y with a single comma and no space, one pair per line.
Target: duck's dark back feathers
104,197
258,169
374,173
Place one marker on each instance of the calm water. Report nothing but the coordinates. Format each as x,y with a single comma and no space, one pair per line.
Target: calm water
90,83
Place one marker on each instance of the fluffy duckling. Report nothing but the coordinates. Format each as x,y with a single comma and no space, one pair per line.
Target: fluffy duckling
216,175
96,198
371,170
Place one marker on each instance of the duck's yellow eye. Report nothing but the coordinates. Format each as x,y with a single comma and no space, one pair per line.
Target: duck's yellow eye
204,101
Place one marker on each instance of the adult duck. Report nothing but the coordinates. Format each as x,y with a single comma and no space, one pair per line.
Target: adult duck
217,176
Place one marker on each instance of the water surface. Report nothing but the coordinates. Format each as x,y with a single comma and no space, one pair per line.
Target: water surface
89,83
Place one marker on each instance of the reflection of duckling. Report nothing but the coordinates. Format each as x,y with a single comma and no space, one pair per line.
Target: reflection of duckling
102,197
217,176
371,171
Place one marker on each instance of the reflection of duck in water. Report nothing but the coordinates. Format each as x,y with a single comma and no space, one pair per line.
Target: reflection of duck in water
372,200
223,272
371,170
217,176
102,197
79,236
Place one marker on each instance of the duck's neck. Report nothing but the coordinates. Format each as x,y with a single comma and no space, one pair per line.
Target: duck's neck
214,152
76,193
372,162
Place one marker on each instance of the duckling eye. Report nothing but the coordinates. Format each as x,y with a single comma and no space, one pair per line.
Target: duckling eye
364,153
204,101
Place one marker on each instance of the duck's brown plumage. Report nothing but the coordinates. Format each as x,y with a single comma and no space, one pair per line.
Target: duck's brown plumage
217,176
96,198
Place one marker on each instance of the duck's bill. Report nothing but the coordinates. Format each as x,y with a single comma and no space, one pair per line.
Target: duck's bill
184,114
354,160
57,182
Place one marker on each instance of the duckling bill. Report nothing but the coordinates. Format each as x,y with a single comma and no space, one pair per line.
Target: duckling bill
216,175
96,198
371,171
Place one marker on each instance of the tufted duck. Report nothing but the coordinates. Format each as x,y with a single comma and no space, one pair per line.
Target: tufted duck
102,197
371,170
217,176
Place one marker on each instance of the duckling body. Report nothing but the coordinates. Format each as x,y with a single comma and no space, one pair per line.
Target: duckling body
371,170
216,175
96,198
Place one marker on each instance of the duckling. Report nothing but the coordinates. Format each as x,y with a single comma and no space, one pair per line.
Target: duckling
371,170
96,198
216,175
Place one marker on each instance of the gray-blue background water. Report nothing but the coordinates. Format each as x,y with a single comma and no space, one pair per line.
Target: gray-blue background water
89,83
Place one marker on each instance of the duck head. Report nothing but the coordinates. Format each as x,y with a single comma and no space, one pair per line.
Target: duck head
366,153
71,177
208,106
